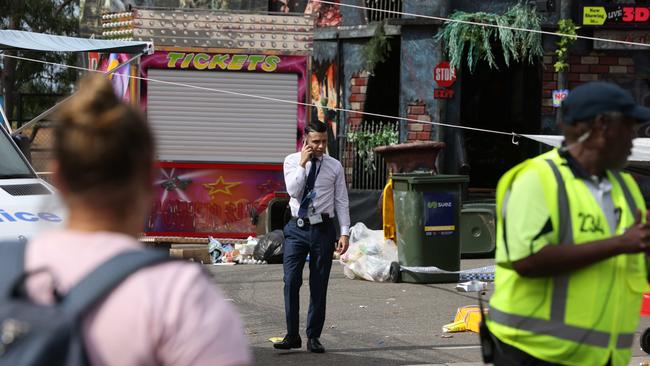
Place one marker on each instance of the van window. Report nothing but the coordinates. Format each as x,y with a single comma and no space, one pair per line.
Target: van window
12,163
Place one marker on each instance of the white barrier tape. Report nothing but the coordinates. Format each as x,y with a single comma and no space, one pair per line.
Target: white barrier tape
483,273
481,270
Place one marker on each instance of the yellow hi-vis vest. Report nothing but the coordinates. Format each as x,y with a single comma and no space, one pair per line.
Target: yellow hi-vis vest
584,317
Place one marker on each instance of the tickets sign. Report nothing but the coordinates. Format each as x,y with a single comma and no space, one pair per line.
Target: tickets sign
232,62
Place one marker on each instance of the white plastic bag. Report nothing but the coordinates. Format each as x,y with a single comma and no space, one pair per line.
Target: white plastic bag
369,255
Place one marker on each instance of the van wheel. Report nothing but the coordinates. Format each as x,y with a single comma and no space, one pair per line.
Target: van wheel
394,274
645,341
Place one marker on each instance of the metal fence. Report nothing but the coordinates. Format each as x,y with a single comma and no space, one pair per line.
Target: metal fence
363,178
41,138
381,9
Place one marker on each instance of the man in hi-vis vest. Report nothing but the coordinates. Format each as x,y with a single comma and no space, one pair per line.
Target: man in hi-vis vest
572,239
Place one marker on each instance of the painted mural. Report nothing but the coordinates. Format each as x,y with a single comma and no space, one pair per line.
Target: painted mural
121,79
325,93
218,200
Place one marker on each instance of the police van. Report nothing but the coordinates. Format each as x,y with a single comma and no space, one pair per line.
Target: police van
28,204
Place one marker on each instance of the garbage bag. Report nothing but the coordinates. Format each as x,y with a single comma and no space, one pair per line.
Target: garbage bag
269,247
369,255
215,249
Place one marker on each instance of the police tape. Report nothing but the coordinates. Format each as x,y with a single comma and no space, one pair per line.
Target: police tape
482,273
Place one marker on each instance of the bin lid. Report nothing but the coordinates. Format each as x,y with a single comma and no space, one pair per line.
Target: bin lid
424,178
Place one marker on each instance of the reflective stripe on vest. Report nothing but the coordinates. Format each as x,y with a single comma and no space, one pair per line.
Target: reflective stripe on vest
626,192
560,330
555,326
561,282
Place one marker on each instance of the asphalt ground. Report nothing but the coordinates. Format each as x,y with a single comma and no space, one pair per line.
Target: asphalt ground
367,323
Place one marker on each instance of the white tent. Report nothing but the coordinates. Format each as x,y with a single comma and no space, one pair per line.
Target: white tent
640,151
22,40
30,41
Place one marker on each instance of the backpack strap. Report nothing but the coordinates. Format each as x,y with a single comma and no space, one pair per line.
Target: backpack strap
12,265
100,282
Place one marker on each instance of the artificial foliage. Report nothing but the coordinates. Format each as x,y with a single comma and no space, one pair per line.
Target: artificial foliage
366,141
567,31
465,40
377,49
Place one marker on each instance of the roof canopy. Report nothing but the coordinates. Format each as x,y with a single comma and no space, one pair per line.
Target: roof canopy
21,40
640,151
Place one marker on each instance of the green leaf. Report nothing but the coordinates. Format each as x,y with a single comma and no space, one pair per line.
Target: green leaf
567,28
366,141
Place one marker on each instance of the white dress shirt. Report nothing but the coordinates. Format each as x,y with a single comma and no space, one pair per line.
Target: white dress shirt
331,191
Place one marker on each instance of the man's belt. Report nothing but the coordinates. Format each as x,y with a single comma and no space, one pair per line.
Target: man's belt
303,221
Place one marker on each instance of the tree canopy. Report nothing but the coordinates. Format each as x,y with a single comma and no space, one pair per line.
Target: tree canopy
20,77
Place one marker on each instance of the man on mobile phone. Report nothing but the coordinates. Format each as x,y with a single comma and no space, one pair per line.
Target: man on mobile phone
316,184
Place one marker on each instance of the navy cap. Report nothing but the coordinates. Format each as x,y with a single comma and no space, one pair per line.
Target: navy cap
589,100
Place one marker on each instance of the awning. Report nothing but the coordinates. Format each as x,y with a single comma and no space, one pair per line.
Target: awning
640,151
21,40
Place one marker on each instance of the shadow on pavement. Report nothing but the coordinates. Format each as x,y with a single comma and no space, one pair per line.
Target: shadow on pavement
404,348
268,356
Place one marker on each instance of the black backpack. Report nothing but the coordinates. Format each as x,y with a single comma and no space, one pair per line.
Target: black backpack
32,334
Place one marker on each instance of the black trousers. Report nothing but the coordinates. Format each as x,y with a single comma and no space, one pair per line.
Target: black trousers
319,242
507,355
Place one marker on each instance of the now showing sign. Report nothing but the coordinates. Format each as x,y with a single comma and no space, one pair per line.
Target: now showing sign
616,16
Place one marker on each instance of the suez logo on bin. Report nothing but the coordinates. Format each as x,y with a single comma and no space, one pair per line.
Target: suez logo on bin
436,204
6,217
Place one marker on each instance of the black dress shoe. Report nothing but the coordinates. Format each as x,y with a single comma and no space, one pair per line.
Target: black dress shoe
289,342
314,345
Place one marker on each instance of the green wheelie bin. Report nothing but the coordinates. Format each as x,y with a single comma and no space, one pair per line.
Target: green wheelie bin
427,217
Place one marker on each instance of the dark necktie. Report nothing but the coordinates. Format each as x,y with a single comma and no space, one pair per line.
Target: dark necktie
309,186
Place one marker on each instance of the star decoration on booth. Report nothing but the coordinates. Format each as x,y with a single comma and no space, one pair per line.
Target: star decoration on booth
220,187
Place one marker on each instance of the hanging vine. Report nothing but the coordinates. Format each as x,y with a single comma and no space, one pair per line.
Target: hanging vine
564,26
475,41
377,49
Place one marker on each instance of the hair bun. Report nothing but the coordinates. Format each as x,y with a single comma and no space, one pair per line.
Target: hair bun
100,141
98,93
94,98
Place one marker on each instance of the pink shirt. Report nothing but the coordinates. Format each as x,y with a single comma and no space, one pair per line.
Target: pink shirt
167,314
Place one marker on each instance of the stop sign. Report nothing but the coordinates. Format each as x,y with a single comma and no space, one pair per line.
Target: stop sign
444,75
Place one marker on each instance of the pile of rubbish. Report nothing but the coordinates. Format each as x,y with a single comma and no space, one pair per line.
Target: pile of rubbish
262,250
369,255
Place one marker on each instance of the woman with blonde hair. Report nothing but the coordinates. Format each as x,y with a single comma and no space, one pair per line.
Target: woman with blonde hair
166,314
